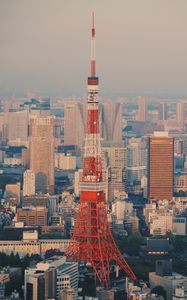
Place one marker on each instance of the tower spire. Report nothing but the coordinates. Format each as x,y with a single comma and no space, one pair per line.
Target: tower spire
93,61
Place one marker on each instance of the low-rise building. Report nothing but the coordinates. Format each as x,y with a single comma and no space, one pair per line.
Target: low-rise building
66,275
164,217
180,293
40,283
140,293
7,275
33,216
47,201
165,278
179,225
156,249
13,190
169,283
32,245
65,161
67,294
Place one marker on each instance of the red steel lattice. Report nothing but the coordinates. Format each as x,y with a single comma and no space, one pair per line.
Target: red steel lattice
92,239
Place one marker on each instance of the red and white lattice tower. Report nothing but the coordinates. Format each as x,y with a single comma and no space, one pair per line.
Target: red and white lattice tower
92,240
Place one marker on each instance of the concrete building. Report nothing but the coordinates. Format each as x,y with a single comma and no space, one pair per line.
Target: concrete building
67,294
180,182
163,111
66,274
42,153
169,283
48,201
40,283
160,166
17,122
134,221
135,292
142,109
25,155
13,190
65,162
179,225
114,163
31,245
111,115
115,154
13,161
136,163
33,216
7,276
103,294
3,129
38,106
121,209
124,218
161,224
116,182
159,217
28,183
77,178
164,218
180,113
180,293
74,123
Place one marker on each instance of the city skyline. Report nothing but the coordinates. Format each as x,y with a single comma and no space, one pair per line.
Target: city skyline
93,192
44,47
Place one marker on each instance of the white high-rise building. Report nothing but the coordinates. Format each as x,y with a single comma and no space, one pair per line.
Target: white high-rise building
114,163
142,108
163,111
180,113
28,183
17,127
136,161
66,274
42,156
111,113
74,123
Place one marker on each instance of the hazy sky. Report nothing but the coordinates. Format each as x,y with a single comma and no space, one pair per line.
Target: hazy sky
141,45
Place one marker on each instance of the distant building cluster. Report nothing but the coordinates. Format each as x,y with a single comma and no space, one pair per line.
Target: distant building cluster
144,166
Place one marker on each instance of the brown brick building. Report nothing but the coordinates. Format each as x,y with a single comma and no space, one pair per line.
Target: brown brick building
160,166
33,216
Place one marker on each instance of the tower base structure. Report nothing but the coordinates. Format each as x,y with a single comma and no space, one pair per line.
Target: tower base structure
95,244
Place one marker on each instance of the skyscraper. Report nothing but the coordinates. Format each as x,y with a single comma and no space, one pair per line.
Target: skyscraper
160,171
116,154
163,111
39,106
74,123
142,108
28,183
111,114
17,127
42,152
180,113
115,158
136,162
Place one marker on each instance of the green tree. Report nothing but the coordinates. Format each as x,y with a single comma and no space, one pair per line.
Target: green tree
131,244
159,290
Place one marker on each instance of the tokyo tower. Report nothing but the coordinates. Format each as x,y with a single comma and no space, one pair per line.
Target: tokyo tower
92,240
